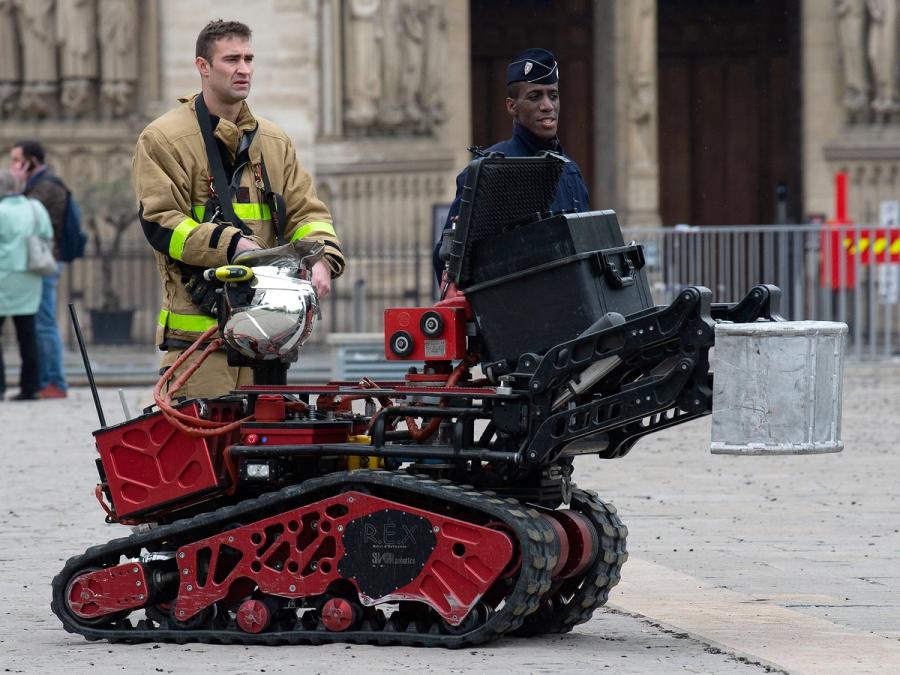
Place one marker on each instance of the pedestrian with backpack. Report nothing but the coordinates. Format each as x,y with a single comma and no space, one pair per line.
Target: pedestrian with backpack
21,220
28,165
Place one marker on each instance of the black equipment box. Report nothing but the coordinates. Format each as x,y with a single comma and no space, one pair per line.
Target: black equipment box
540,297
535,279
541,241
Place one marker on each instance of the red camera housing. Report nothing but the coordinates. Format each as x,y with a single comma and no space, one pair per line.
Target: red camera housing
424,333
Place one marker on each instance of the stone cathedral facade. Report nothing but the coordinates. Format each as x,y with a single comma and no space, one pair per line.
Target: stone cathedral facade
378,98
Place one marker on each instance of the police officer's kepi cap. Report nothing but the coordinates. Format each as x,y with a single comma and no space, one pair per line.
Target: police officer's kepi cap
535,66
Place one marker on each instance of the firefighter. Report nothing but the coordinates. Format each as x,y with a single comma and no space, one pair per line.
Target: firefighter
212,181
532,100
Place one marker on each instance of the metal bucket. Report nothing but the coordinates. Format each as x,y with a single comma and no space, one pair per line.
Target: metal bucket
777,388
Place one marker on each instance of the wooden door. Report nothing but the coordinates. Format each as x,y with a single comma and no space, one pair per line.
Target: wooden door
729,110
500,29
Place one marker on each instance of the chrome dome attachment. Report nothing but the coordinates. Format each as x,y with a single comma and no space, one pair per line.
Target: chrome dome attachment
278,317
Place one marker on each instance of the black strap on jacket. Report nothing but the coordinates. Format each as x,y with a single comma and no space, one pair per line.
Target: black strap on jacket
220,182
276,203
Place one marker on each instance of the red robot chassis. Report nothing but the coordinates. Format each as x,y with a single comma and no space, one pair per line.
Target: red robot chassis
434,511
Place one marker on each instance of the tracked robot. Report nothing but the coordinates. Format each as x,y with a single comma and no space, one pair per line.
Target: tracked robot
438,510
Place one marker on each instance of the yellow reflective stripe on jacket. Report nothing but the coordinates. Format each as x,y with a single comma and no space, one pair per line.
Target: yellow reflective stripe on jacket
318,227
195,323
242,211
179,236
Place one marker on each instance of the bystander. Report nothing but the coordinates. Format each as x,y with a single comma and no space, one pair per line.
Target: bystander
20,290
27,164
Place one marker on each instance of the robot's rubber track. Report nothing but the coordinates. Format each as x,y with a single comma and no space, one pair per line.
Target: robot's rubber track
535,540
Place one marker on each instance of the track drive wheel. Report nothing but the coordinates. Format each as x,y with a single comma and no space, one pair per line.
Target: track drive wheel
74,603
574,600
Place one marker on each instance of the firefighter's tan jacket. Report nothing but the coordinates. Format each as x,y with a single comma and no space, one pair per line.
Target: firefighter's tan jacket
171,178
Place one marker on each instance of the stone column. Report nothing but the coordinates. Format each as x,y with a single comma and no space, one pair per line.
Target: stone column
331,123
605,190
640,88
824,95
626,147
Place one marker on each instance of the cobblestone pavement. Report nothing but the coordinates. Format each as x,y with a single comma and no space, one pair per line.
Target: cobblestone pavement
738,564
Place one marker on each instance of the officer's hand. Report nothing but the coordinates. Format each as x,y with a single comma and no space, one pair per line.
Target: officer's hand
321,278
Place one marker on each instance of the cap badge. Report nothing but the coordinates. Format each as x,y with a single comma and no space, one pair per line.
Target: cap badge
528,66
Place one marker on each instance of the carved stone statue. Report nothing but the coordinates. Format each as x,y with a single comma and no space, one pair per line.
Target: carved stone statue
362,62
435,62
118,56
390,107
412,50
39,74
641,69
851,16
868,28
76,22
393,55
9,59
883,54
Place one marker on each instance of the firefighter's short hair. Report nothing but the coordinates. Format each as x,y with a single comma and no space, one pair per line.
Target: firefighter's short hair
215,31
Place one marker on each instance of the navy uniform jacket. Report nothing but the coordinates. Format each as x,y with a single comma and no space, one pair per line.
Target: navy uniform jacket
571,195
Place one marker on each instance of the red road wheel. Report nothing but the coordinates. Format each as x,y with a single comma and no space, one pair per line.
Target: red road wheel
339,614
253,616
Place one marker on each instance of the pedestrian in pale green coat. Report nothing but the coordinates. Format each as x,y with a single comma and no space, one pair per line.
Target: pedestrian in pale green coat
20,290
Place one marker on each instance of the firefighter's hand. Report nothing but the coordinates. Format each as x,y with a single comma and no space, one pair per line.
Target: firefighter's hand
203,294
321,278
245,244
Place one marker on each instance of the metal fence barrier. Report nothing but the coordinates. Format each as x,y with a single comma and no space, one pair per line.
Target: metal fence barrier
849,274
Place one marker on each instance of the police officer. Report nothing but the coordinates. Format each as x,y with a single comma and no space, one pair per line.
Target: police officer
214,181
532,100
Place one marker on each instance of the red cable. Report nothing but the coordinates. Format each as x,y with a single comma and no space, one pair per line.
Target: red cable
426,432
190,424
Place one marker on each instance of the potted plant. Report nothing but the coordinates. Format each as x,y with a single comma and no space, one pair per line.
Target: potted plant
110,211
